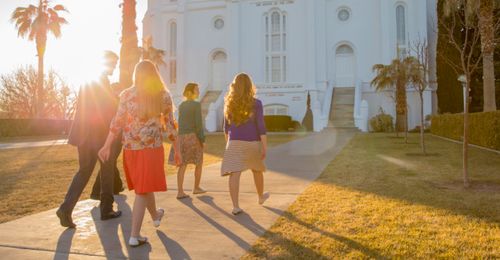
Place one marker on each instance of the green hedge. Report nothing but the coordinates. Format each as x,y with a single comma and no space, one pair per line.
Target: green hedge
278,123
33,127
484,128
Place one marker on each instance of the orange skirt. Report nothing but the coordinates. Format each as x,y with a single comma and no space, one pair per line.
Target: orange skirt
144,170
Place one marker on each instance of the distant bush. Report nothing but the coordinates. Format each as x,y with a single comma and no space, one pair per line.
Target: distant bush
278,123
33,127
484,128
382,123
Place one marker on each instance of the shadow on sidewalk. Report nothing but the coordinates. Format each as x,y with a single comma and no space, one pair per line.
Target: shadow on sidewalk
64,244
108,233
174,249
240,242
247,221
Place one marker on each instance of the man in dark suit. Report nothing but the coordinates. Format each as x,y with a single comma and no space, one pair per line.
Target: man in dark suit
96,108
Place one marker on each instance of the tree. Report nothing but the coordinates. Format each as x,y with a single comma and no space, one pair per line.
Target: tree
396,74
465,44
481,12
419,76
18,98
35,22
153,54
129,52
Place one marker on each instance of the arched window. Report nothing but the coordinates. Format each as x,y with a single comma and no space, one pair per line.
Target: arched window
276,110
401,25
344,50
172,54
275,23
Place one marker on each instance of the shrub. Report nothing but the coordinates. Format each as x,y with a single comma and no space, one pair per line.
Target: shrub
278,123
484,128
382,122
33,127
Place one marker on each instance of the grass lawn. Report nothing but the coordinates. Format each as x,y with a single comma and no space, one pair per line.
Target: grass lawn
380,199
36,179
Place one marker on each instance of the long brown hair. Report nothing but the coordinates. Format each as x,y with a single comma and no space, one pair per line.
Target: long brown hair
240,101
150,87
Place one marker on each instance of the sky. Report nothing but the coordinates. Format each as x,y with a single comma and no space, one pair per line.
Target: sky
77,54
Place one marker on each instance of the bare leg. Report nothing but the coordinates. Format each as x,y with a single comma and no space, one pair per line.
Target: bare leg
234,188
197,177
151,205
138,214
180,181
258,178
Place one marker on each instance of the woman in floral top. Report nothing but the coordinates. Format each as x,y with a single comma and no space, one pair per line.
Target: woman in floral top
144,115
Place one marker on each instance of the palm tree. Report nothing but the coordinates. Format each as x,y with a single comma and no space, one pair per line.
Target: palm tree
35,22
129,52
397,74
153,54
483,11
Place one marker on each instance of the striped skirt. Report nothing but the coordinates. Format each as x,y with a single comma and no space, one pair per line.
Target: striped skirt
240,156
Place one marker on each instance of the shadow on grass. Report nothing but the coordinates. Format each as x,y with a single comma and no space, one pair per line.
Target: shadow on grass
247,222
344,240
373,165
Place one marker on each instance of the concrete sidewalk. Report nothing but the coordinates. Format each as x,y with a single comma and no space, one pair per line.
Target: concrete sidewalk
19,145
201,227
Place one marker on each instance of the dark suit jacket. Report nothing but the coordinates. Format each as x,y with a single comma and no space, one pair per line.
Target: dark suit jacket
96,107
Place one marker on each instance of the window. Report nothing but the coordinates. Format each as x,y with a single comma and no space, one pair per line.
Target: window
172,54
401,28
276,110
344,14
275,46
219,23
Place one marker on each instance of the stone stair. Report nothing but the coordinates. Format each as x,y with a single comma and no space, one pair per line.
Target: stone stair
209,98
342,110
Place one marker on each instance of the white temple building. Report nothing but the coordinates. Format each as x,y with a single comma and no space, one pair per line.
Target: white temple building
291,48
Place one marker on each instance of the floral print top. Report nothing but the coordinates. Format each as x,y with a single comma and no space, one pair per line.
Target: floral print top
138,133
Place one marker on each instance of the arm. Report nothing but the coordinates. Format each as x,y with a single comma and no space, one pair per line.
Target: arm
261,127
115,128
226,129
170,126
199,124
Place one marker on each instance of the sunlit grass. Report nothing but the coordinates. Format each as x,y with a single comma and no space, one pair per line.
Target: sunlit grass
380,199
36,179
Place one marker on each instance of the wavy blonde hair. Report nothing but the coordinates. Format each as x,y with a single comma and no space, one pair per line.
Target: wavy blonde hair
240,101
150,87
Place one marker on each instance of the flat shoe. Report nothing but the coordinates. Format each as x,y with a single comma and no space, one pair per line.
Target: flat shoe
264,197
137,241
182,197
111,215
157,222
199,191
237,211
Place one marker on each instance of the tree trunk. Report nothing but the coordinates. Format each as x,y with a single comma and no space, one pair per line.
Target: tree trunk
401,117
41,43
487,30
422,127
466,136
129,52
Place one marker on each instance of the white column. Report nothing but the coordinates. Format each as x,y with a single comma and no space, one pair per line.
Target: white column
321,53
181,50
234,20
387,53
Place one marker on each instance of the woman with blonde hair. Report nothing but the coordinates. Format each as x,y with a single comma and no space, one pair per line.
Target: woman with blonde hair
246,138
145,115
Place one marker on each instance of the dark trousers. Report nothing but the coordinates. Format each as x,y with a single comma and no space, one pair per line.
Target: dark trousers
116,149
87,158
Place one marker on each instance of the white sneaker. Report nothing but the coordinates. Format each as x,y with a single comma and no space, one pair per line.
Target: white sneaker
264,197
161,213
137,241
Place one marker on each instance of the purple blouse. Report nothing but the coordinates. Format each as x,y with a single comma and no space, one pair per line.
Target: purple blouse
251,130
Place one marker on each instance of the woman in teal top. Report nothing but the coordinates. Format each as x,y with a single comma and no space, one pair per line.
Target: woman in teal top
191,139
